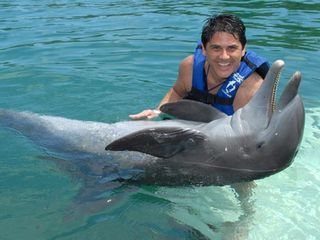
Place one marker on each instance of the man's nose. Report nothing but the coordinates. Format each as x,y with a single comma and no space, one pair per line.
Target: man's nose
224,54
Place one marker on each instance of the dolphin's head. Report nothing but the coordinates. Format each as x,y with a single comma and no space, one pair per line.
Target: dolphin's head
263,107
276,126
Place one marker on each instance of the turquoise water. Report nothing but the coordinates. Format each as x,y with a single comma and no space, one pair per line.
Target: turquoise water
102,60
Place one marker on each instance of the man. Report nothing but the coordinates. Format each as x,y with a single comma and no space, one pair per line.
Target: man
220,72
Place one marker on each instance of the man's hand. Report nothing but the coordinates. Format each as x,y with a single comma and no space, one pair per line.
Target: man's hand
146,114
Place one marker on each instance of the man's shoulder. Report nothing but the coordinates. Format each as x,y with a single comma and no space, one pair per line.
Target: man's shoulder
247,89
188,60
253,80
187,63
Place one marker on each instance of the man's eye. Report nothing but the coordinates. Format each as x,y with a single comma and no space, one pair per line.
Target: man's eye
232,48
216,48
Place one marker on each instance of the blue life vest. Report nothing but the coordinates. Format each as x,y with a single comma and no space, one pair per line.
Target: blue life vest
224,98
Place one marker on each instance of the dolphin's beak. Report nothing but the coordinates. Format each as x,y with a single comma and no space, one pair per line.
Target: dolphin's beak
259,110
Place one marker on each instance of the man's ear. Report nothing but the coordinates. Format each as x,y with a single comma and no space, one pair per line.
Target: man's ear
203,50
244,50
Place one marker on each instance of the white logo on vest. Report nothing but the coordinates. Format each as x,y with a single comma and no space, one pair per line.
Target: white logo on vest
232,84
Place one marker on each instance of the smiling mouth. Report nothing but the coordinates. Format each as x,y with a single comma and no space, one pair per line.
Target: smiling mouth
224,64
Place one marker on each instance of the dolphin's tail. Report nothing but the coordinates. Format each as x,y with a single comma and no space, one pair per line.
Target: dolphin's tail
56,134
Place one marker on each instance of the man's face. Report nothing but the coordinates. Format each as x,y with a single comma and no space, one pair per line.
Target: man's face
223,53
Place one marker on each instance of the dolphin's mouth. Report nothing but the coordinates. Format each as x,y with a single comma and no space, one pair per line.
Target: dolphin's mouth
274,92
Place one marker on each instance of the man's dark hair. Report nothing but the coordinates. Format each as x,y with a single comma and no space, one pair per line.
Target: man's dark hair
224,23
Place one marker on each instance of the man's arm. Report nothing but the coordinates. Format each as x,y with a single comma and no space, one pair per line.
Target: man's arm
152,113
177,92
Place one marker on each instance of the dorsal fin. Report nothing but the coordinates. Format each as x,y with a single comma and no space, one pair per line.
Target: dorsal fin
192,111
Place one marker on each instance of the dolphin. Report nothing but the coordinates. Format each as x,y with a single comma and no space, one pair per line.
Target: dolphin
257,141
201,146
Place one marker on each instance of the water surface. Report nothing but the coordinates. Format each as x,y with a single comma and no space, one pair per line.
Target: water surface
102,60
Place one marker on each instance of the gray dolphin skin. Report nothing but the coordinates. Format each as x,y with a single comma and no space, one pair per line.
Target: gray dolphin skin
202,146
257,141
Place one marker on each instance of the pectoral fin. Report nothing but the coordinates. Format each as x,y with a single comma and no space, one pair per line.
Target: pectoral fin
160,142
192,111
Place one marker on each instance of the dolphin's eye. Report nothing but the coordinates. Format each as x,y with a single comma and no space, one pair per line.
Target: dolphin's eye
260,144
